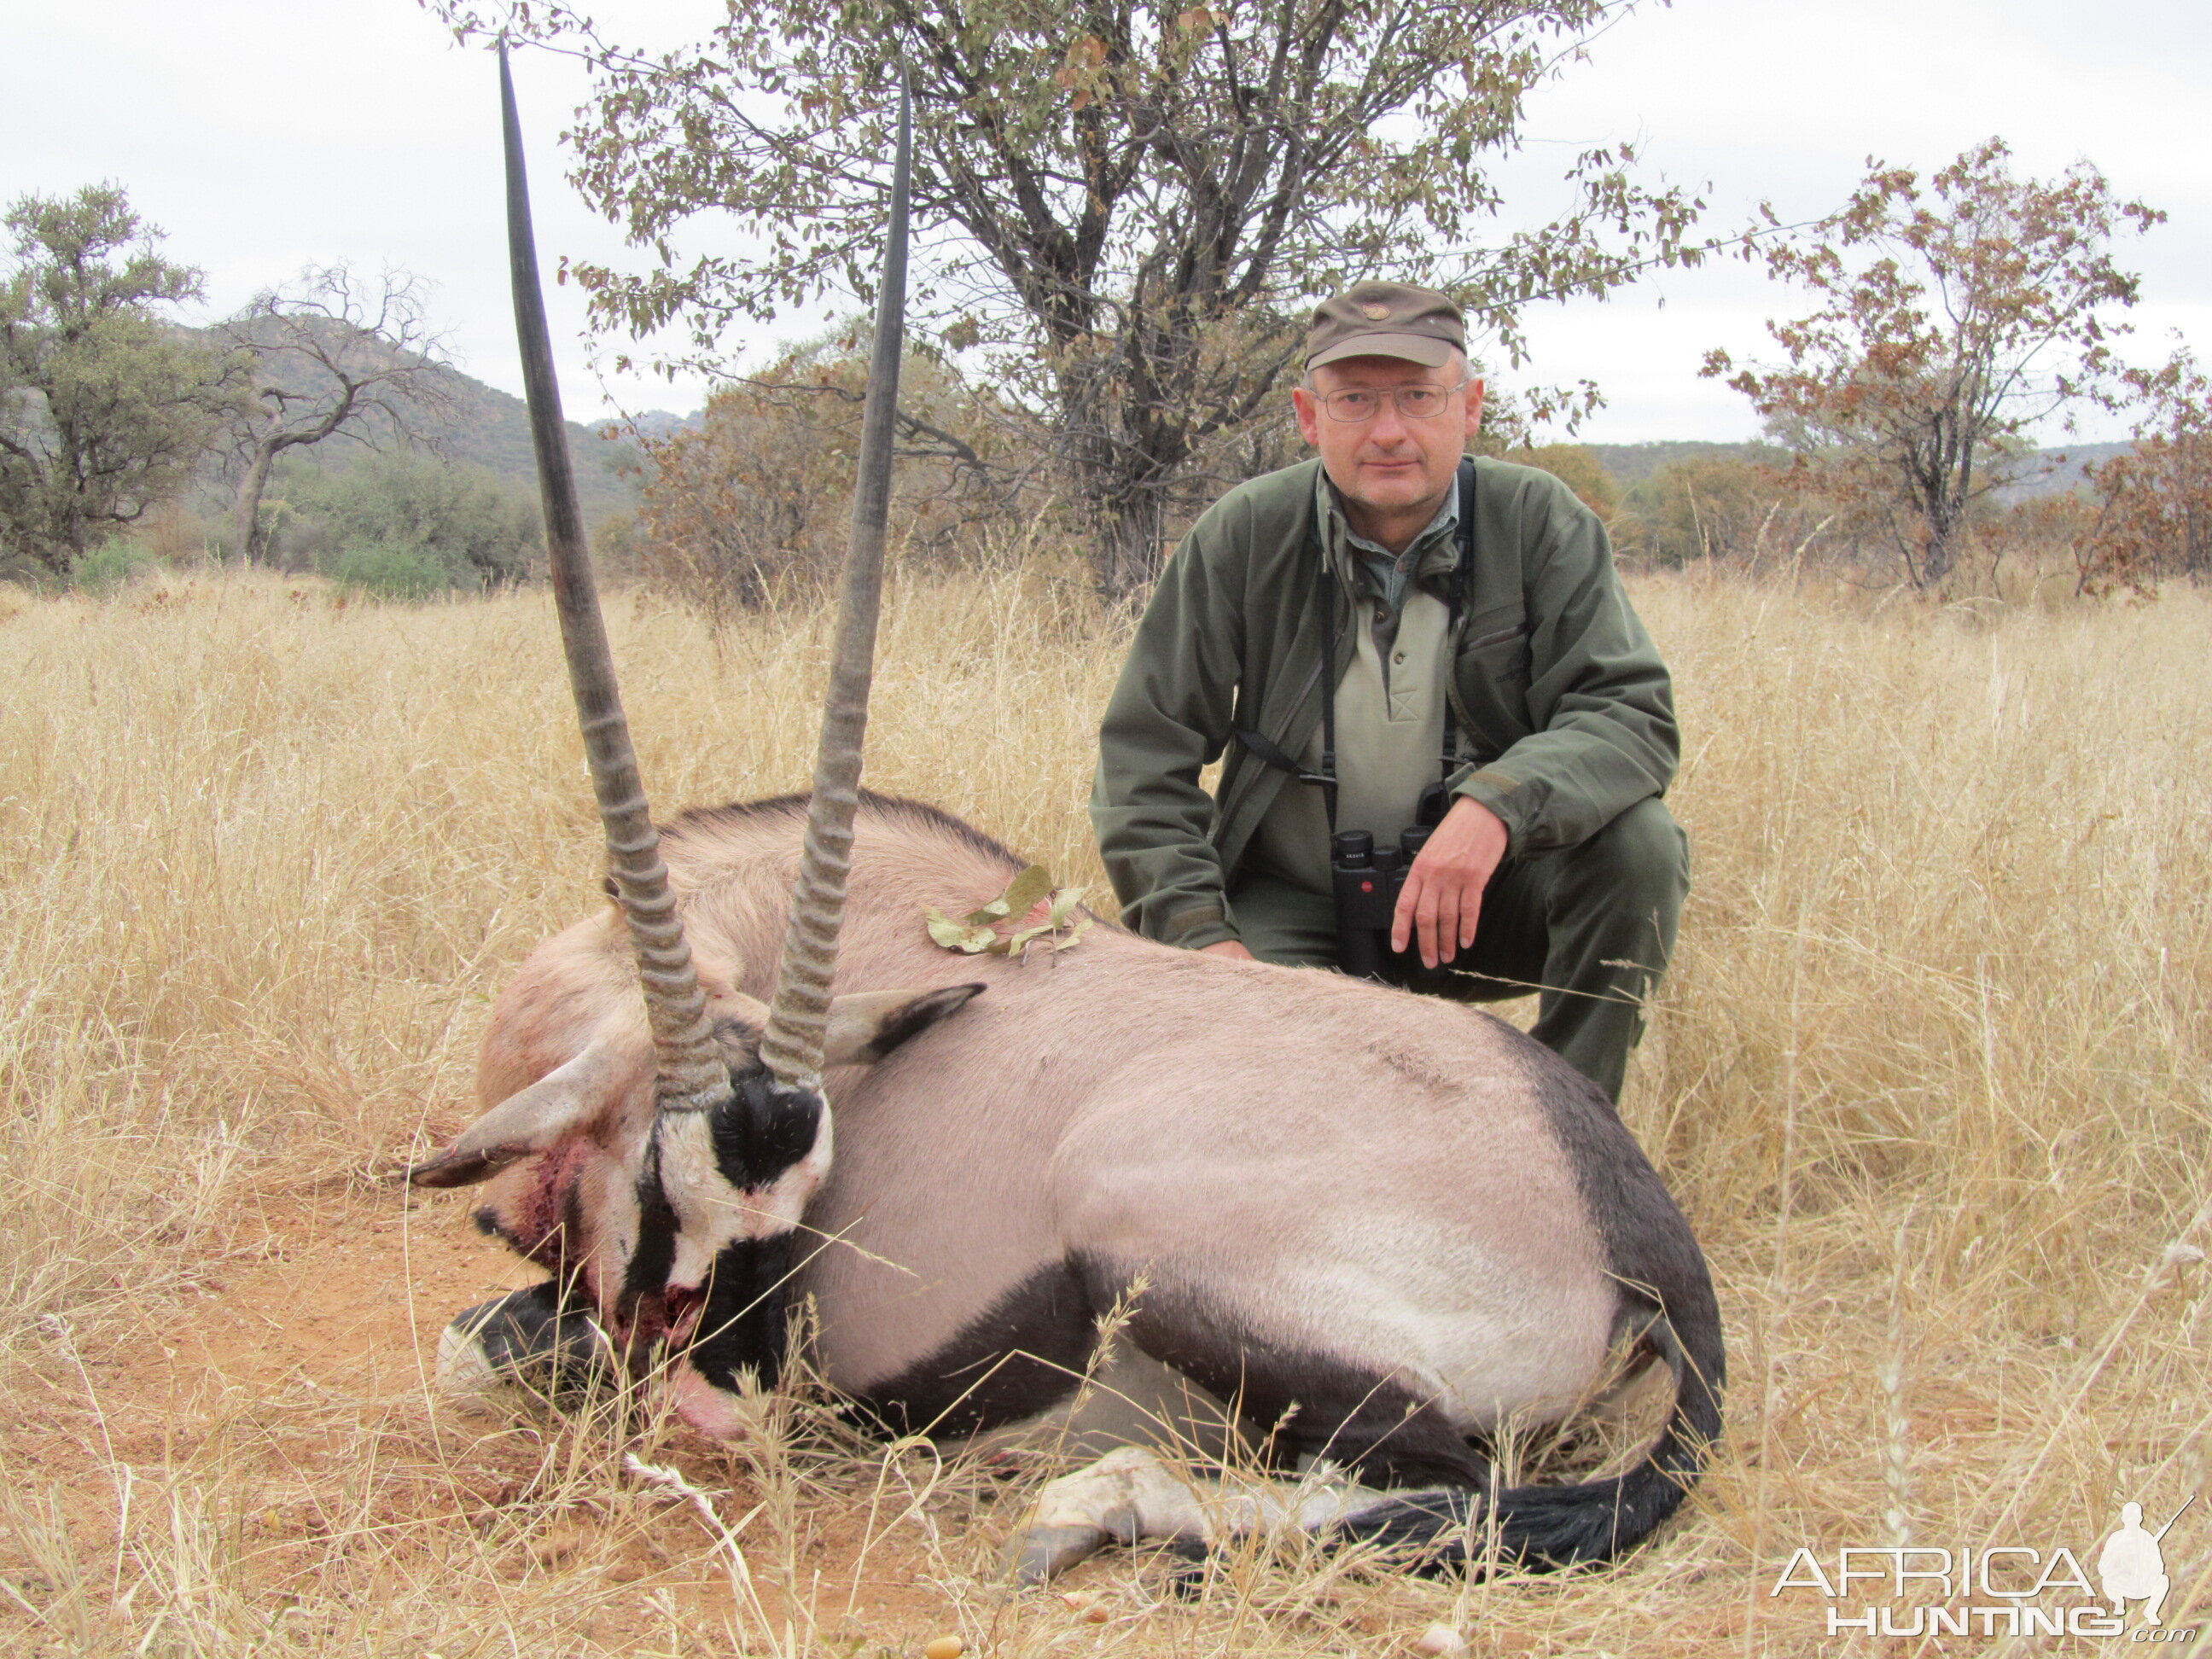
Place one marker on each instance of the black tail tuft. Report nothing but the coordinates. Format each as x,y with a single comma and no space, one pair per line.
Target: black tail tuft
1547,1528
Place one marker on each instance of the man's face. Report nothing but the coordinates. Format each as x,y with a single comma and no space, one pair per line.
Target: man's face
1392,463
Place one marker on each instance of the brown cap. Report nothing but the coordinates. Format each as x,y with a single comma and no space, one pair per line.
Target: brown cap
1386,319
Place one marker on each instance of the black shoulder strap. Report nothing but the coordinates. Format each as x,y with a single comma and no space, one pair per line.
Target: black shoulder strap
1270,753
1462,602
1463,583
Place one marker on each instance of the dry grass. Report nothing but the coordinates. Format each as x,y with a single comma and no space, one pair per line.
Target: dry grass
1931,1078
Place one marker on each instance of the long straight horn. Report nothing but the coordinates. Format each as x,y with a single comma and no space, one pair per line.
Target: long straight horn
691,1074
791,1046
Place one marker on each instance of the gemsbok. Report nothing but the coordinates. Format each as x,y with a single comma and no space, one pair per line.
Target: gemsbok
1379,1227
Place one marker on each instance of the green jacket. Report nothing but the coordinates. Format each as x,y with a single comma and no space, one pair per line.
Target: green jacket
1567,711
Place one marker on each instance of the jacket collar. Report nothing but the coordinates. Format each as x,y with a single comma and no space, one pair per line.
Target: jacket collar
1434,553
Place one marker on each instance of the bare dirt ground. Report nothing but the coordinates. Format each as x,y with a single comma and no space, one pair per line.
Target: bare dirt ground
271,1448
294,1378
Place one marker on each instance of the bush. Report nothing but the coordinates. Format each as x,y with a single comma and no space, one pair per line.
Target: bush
390,572
475,529
106,568
1728,509
1576,467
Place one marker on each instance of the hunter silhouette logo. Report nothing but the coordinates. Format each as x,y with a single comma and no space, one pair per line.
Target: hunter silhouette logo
2132,1568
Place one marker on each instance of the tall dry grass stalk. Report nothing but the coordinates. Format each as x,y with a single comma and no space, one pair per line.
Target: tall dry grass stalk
264,858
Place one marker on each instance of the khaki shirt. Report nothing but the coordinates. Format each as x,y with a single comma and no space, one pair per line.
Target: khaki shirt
1389,704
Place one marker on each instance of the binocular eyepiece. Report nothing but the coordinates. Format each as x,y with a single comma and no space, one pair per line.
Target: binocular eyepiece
1367,880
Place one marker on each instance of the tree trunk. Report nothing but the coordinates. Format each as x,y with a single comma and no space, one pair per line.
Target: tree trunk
1131,548
1947,528
246,515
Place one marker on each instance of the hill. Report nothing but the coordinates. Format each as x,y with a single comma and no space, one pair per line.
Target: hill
1631,464
2042,472
490,428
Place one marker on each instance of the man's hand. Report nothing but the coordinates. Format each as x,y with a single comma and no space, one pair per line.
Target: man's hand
1443,897
1228,947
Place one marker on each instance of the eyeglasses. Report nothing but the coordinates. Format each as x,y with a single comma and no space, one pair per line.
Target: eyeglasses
1415,402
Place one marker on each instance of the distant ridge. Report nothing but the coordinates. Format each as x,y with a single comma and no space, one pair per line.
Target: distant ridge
1632,464
2044,472
491,429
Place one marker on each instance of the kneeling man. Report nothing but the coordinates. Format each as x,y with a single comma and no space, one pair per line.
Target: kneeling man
1394,633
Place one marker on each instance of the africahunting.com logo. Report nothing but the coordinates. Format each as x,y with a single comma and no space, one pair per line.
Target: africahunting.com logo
1997,1590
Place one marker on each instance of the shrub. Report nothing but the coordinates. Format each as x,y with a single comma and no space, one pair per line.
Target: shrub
1576,467
475,529
2155,502
390,572
107,568
754,504
1735,510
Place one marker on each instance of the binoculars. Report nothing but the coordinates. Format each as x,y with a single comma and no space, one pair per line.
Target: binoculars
1367,880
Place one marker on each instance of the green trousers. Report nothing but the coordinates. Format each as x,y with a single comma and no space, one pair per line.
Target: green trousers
1589,928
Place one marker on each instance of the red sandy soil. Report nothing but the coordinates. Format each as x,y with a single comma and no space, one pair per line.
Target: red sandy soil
270,1376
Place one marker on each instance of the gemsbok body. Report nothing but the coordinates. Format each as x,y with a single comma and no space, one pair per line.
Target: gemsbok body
1378,1227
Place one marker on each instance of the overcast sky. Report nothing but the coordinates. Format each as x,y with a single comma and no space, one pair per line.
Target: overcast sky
265,135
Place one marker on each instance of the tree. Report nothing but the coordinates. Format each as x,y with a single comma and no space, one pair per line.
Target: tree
2154,504
105,408
339,357
1953,321
1123,212
752,501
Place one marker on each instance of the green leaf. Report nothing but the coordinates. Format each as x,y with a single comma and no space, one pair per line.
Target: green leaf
1024,892
977,934
959,935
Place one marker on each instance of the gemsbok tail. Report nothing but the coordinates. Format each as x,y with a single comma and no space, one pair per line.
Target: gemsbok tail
1547,1528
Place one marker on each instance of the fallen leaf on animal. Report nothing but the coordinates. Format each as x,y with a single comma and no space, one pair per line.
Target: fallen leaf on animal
982,930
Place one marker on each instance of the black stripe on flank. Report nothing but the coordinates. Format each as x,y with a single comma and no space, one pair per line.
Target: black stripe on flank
1023,1355
1294,1400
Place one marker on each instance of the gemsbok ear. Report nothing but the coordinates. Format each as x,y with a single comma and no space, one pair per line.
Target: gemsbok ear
530,1122
868,1024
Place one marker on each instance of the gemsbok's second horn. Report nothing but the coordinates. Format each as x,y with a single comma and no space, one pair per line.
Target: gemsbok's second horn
690,1073
797,1019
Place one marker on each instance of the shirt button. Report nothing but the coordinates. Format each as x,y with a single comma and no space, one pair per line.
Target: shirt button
1381,615
1400,657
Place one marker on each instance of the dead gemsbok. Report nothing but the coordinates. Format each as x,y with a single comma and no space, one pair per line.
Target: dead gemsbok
1379,1226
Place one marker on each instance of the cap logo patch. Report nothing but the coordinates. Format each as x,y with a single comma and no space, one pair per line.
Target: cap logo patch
1375,313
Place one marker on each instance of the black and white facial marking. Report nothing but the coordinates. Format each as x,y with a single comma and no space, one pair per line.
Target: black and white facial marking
717,1196
744,1170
